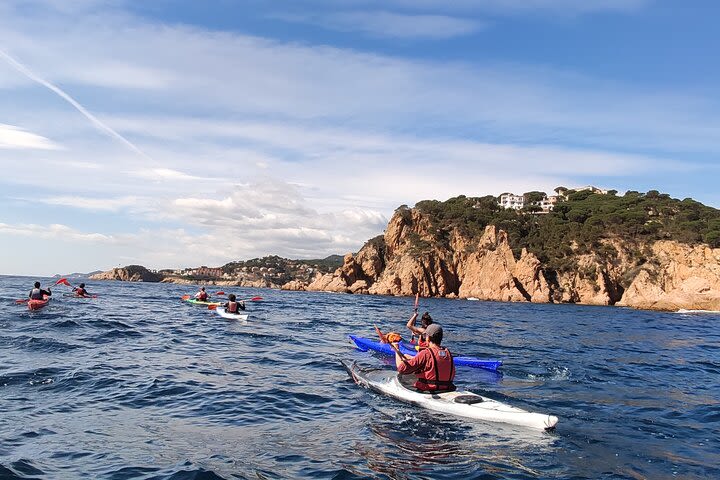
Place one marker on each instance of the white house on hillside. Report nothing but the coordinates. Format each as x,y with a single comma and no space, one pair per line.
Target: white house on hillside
510,200
517,202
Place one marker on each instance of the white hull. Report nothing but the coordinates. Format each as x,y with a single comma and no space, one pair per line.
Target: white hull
232,316
386,382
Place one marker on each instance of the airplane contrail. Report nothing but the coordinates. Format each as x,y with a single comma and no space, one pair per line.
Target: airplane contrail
93,119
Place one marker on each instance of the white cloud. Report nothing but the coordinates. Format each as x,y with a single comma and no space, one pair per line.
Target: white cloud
168,174
379,23
90,203
17,138
53,231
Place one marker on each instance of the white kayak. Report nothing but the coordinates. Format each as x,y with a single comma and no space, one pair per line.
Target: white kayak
462,404
231,316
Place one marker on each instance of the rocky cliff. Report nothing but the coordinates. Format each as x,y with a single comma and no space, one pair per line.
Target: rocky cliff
413,257
130,273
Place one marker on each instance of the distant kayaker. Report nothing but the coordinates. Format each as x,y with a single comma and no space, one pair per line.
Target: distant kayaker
425,321
38,293
80,291
232,305
433,365
201,295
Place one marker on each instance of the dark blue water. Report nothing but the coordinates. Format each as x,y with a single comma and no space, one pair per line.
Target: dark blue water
135,384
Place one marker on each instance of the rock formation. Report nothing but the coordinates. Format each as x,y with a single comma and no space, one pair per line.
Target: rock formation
130,273
416,256
410,259
681,277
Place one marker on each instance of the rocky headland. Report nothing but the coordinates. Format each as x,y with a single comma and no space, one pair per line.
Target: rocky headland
514,256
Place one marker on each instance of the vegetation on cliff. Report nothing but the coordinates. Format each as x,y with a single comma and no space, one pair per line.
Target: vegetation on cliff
582,224
282,270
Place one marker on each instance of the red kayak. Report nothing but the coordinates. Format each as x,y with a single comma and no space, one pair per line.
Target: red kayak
38,304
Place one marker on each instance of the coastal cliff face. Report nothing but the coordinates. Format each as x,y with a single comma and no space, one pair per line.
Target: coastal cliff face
681,277
409,259
415,255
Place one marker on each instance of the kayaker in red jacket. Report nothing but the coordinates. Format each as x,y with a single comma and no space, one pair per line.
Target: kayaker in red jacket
425,321
38,293
433,365
80,291
233,306
201,295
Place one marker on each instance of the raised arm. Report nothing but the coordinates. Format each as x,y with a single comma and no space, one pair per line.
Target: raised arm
411,325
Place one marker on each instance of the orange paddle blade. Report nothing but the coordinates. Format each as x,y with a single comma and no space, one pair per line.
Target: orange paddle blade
185,297
255,298
219,293
393,337
212,307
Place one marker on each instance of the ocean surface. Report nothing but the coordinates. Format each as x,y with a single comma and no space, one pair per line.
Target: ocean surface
137,384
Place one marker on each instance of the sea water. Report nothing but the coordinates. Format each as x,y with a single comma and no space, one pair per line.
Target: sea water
137,384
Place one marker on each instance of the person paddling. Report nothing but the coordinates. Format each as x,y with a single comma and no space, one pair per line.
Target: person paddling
201,295
38,293
433,366
425,321
232,305
80,291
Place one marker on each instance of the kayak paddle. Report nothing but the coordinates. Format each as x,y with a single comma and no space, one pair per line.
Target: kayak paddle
65,282
397,350
219,293
185,297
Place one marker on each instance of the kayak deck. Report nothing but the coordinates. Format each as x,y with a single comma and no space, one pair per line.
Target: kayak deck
198,302
459,403
231,316
365,344
38,304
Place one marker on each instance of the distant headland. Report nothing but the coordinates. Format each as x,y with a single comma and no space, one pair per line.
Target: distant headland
587,246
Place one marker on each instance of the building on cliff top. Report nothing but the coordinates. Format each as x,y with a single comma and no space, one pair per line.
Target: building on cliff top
546,203
518,202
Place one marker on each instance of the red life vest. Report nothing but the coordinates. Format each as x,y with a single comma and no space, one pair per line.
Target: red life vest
232,307
439,371
202,296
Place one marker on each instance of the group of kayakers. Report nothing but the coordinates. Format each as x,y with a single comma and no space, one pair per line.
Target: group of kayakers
38,293
233,305
433,366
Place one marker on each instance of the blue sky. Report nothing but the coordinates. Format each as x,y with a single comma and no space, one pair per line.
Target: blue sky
179,133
